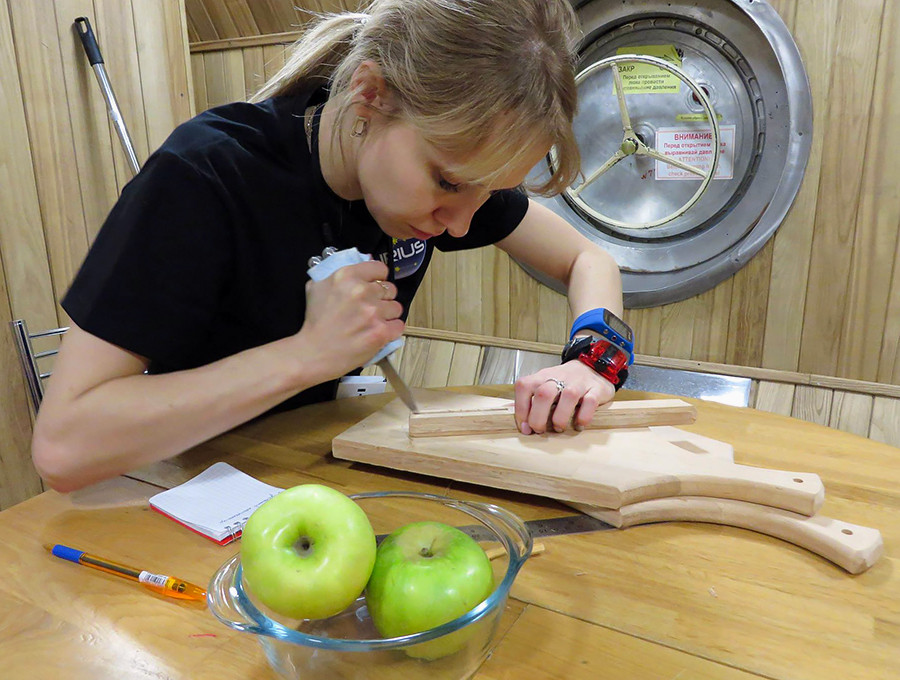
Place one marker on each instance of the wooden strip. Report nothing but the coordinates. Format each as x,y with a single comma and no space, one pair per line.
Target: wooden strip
495,292
774,397
846,123
115,29
875,246
287,38
465,364
748,309
850,546
846,384
27,283
198,73
163,74
468,306
852,412
642,413
812,404
815,32
51,137
885,425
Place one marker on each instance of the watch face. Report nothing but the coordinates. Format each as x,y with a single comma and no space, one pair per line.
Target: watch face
617,325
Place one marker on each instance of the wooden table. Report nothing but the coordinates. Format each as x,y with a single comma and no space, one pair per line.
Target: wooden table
670,600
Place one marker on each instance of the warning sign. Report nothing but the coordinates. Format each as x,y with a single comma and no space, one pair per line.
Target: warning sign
638,78
694,147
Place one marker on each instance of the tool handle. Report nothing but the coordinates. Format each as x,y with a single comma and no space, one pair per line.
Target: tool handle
328,265
88,41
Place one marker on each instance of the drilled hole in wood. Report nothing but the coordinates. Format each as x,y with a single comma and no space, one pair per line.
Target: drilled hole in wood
798,480
849,532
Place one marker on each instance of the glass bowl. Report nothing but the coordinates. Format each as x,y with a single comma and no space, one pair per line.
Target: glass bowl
347,645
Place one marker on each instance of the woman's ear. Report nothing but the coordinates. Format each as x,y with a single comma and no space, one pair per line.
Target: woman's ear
370,91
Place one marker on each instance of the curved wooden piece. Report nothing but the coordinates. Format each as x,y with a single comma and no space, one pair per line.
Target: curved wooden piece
854,548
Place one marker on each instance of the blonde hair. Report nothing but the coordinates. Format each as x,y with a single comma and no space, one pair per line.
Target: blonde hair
484,80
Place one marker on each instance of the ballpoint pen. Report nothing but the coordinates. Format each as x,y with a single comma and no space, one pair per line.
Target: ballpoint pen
164,585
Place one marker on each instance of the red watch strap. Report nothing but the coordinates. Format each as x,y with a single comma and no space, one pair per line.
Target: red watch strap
607,359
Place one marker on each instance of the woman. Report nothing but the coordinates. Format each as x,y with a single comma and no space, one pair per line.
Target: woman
409,127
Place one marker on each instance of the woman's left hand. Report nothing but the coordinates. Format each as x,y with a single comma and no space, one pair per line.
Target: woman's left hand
554,397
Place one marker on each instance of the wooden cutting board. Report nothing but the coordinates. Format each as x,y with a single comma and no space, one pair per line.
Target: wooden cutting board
608,468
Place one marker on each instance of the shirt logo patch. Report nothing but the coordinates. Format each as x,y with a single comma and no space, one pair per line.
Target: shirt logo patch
409,254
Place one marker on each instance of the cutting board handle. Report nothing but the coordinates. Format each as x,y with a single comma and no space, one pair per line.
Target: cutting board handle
852,547
800,492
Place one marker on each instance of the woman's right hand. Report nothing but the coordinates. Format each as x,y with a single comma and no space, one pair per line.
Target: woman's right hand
350,316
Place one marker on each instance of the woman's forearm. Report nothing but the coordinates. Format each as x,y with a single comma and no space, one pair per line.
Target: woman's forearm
128,421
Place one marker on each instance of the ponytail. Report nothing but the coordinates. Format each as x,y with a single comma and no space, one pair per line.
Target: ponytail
316,55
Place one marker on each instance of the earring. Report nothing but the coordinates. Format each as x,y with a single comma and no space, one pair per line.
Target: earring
359,127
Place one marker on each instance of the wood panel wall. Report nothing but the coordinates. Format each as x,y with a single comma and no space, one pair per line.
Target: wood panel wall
61,164
822,297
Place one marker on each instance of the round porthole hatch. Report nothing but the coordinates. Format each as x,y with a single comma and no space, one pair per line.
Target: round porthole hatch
740,57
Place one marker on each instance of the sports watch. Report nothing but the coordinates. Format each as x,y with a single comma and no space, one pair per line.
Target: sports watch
608,326
606,358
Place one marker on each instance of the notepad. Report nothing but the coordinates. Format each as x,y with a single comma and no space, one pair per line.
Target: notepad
216,503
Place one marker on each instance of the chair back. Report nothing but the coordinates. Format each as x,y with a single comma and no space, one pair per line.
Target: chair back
31,360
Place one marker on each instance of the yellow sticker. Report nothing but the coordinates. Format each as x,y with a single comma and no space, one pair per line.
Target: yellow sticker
696,116
638,78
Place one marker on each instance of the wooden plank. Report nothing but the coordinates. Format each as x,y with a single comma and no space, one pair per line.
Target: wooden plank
847,123
885,425
498,366
465,364
200,21
444,297
676,333
214,72
469,300
748,310
553,316
90,122
495,291
27,283
243,16
235,89
52,145
274,57
288,38
221,19
115,31
851,412
638,413
646,324
198,73
18,479
165,82
608,468
524,292
774,397
815,31
254,69
875,246
439,356
812,404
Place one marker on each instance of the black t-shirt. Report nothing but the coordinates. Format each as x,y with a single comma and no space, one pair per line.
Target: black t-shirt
205,253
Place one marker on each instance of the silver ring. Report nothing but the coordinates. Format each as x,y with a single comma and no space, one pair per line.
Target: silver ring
385,288
560,385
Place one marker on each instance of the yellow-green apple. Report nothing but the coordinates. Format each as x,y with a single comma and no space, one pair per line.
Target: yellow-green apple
308,552
426,574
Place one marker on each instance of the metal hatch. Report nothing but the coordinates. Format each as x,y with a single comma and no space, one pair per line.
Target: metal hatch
672,236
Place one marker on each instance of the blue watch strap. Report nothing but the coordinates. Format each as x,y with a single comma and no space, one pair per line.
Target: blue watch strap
594,320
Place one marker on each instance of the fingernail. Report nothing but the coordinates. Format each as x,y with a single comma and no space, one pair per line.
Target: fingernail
579,428
557,429
526,428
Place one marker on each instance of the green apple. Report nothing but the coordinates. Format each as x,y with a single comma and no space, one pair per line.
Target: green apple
308,552
426,574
